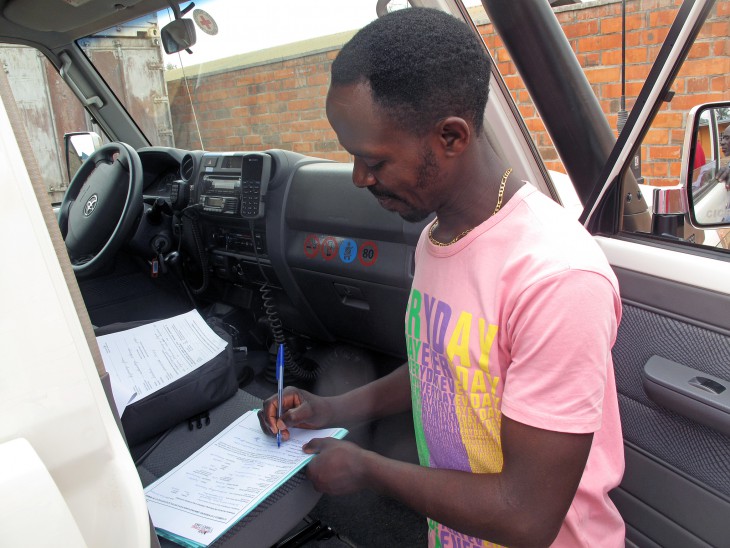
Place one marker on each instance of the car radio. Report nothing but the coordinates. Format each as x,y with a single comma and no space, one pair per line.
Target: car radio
234,184
220,194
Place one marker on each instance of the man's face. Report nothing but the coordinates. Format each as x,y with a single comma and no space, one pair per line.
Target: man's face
725,142
397,167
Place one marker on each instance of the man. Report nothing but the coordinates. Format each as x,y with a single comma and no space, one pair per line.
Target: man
725,142
510,322
724,174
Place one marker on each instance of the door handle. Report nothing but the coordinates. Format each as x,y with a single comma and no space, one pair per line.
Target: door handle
694,394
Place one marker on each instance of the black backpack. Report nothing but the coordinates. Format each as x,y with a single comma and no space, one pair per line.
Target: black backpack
194,394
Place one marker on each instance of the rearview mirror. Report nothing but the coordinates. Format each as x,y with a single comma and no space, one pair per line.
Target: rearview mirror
178,35
707,165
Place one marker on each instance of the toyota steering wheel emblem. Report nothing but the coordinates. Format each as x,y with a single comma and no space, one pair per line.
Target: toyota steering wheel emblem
91,205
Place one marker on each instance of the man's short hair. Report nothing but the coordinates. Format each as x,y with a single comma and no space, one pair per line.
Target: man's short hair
422,65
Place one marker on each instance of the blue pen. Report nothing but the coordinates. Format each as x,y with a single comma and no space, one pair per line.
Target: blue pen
280,387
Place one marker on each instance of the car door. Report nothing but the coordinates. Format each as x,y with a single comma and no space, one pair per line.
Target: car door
672,354
672,351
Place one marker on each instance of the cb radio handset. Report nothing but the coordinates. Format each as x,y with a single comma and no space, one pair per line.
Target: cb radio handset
255,174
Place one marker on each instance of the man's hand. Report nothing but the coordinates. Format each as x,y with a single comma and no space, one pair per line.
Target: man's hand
300,409
338,468
380,398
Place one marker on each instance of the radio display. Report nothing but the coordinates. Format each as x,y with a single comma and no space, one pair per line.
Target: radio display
252,169
232,161
214,202
223,185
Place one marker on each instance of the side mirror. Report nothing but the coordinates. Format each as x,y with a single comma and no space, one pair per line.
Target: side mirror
178,35
706,165
79,146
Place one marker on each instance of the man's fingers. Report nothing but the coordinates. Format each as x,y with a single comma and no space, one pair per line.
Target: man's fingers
268,421
265,426
296,411
315,445
294,415
299,415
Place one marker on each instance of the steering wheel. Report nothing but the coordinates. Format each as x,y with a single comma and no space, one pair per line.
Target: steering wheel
101,206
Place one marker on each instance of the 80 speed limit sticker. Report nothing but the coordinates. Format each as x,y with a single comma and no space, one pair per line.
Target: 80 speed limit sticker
368,253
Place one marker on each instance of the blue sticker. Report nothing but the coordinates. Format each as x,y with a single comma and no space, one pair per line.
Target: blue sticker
348,251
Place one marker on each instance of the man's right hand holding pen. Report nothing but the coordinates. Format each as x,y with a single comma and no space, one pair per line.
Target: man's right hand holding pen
340,466
300,409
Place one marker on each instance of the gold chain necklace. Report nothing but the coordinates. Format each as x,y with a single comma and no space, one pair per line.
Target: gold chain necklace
500,195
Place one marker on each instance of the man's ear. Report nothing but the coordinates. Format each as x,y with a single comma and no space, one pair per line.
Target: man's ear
454,135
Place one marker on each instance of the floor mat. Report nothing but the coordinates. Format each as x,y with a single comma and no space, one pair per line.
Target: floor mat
368,520
129,295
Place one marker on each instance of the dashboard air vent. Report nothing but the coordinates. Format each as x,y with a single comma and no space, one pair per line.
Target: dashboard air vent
187,168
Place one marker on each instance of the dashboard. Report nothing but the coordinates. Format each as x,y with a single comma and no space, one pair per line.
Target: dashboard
338,265
161,186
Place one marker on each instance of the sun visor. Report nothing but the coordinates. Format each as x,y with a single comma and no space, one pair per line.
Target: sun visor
62,15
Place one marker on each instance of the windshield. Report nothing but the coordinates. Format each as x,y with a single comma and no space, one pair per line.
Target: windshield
254,79
257,76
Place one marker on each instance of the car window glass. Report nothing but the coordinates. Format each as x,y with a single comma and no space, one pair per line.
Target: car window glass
704,77
48,109
255,79
605,53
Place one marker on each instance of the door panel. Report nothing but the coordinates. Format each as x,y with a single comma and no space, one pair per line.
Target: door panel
667,506
676,489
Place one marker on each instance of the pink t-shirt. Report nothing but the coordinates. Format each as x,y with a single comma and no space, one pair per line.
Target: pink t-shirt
519,318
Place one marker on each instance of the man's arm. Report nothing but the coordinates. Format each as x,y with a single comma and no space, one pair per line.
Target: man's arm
380,398
385,396
524,505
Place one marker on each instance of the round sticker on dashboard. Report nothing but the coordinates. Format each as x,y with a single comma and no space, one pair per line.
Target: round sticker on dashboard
348,250
329,248
311,246
368,254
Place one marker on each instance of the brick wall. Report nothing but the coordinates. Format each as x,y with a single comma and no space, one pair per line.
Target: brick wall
594,32
259,107
281,104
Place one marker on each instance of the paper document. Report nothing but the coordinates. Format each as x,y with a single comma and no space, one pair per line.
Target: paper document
123,394
147,358
219,484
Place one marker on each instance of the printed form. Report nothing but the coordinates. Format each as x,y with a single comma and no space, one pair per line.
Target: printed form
147,358
218,485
